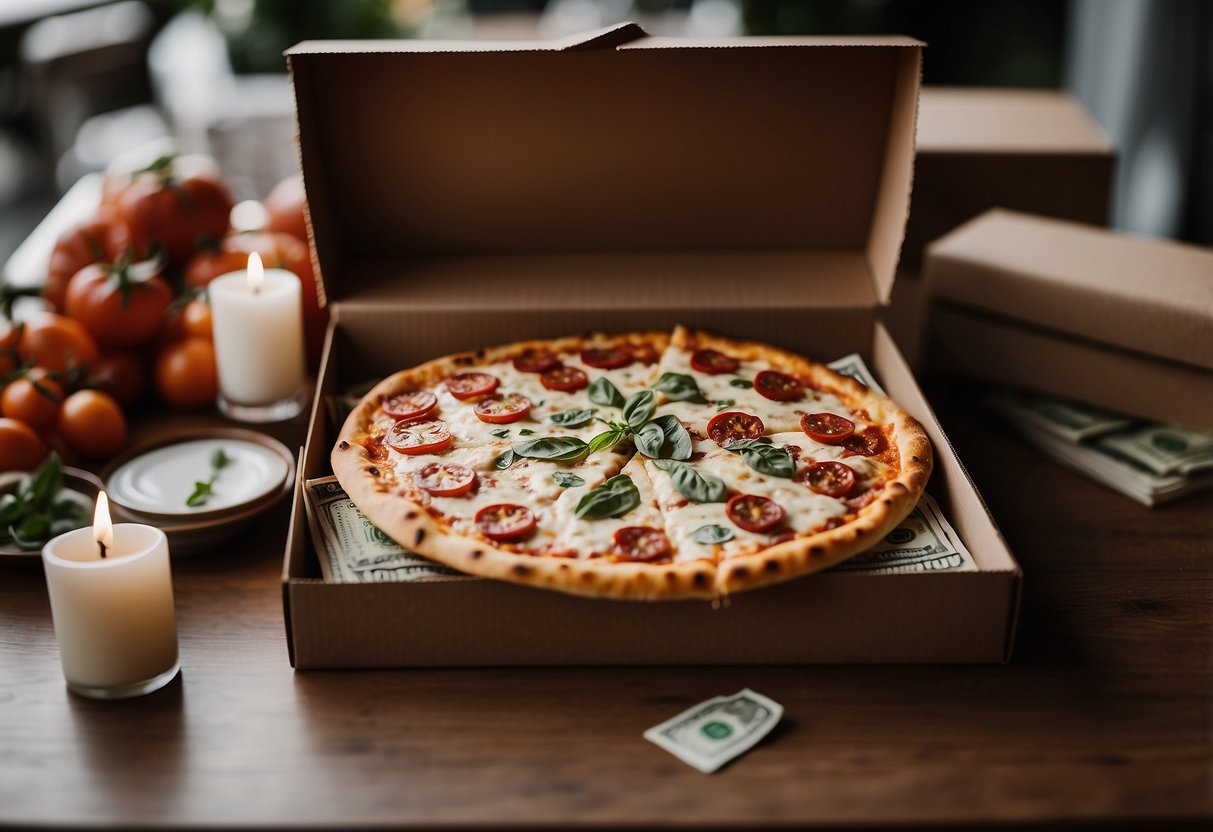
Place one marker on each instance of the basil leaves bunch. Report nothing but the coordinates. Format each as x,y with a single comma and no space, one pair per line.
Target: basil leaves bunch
39,509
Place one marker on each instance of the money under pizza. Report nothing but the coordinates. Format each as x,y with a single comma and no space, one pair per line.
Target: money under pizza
638,466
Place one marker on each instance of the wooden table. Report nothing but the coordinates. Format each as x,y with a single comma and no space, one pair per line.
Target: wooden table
1102,716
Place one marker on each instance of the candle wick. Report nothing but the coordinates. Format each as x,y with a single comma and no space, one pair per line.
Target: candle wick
102,547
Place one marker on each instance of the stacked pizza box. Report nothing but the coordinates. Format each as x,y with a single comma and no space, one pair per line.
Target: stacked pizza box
481,195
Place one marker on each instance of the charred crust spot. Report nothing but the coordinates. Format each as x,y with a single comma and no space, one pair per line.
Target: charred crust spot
477,554
816,551
564,566
771,566
410,515
480,354
898,486
587,576
521,570
915,458
463,360
343,445
671,577
420,536
860,531
700,579
888,502
373,471
741,572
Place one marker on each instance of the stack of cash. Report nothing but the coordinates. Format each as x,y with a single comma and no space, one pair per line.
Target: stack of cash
1152,463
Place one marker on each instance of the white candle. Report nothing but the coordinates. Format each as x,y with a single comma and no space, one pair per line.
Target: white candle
258,323
113,614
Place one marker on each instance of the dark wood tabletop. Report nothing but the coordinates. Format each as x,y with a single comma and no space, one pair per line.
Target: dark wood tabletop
1103,715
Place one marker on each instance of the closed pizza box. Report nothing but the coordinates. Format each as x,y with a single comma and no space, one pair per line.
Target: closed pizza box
470,194
1114,319
1036,151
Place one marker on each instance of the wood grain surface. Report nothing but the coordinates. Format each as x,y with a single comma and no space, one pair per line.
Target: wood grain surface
1103,716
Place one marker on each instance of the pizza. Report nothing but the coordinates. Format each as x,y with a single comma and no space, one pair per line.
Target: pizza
638,466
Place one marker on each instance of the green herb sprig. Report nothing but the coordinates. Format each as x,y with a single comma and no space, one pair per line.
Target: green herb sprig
203,489
36,511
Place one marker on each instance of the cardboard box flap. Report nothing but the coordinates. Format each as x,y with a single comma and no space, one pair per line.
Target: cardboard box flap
611,142
1018,121
1147,295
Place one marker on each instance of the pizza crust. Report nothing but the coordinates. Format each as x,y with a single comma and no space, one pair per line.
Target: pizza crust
410,524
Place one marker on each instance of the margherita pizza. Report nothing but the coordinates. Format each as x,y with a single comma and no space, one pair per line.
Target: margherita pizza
639,466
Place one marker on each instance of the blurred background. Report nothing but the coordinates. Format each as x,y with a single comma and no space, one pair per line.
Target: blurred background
82,81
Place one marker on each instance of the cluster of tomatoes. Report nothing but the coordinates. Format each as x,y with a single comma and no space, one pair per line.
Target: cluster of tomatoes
125,297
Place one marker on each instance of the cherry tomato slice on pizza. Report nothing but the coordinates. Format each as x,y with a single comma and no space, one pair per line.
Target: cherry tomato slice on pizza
445,479
827,428
713,362
754,513
869,442
607,358
505,521
414,438
733,426
644,353
464,386
502,409
641,543
833,479
564,379
410,406
777,386
535,361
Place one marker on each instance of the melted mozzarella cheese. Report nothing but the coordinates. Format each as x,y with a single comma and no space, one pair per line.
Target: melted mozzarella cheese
587,537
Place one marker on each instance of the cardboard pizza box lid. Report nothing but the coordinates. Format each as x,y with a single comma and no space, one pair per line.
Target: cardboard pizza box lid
432,166
1146,295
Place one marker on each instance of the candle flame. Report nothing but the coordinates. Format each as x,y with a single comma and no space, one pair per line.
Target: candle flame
256,272
103,527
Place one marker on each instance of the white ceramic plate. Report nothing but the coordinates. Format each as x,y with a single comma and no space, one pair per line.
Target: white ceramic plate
160,481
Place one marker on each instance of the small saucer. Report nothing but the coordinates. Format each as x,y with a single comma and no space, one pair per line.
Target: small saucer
74,479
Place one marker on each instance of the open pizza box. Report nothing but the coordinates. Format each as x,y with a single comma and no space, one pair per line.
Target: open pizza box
1117,320
472,194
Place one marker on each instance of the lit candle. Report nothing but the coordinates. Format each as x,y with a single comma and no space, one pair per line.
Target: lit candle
258,323
111,597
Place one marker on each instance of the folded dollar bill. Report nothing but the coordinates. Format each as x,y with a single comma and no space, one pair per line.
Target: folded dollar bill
714,732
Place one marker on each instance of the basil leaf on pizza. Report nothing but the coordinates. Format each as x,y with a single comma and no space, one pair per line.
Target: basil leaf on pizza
711,535
555,448
604,393
572,418
664,438
504,460
743,383
639,408
679,387
566,479
765,458
605,441
695,485
616,496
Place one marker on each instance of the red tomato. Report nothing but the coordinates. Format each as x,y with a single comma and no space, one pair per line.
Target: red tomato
503,409
121,374
445,479
466,386
410,406
827,428
196,319
57,343
607,358
185,374
733,426
103,239
33,399
285,206
20,448
415,438
832,479
10,346
92,424
641,543
505,521
535,361
870,442
777,386
564,379
754,513
713,362
117,308
278,251
176,212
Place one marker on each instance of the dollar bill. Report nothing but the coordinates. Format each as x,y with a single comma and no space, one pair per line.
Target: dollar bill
712,733
1163,449
854,366
351,549
1068,420
923,542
